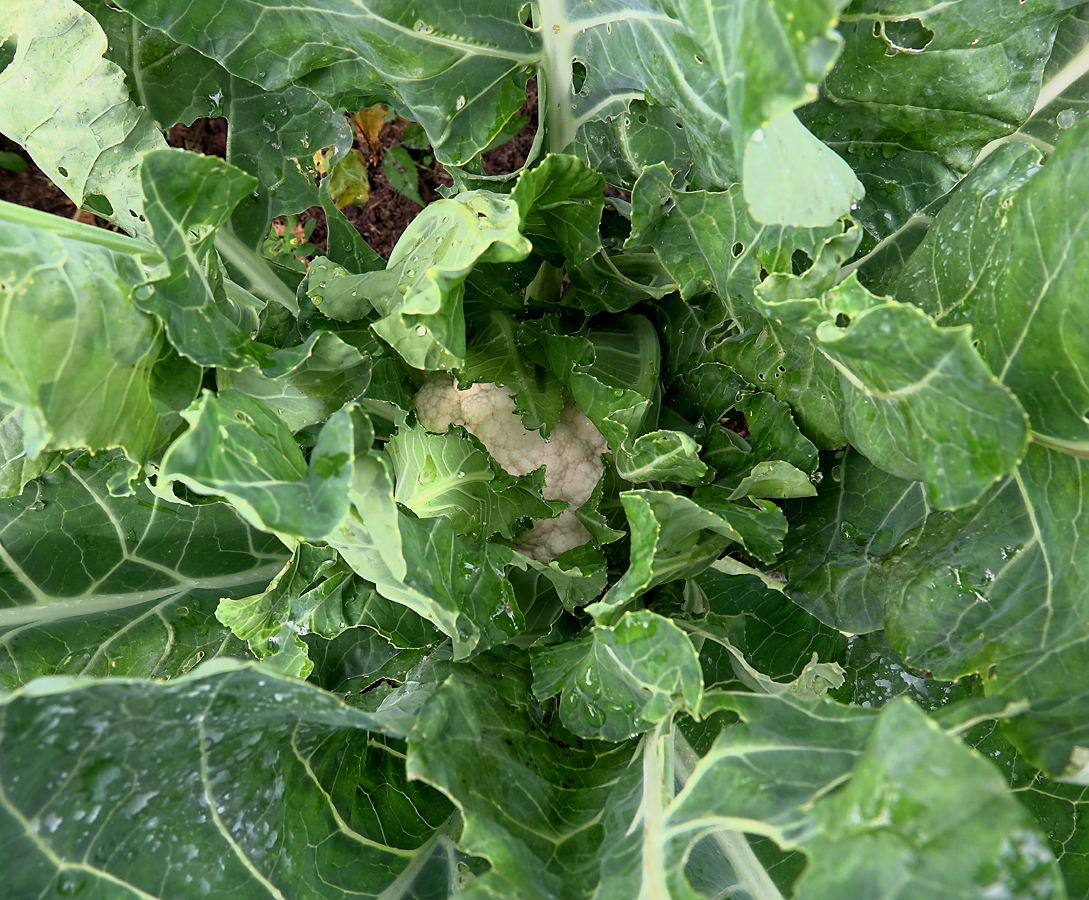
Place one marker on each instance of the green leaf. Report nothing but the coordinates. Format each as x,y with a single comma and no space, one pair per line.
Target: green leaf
16,469
13,162
1057,808
776,479
560,202
916,787
452,475
673,537
989,589
942,78
272,135
1018,279
516,807
775,635
102,585
249,767
325,374
494,357
900,373
419,295
1064,89
458,584
622,679
774,775
400,171
238,449
830,188
183,192
393,56
82,361
834,550
69,108
621,145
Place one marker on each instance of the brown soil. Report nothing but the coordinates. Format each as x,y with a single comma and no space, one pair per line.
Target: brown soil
32,188
513,154
381,220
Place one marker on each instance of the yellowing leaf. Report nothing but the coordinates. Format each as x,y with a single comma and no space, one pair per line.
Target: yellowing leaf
348,182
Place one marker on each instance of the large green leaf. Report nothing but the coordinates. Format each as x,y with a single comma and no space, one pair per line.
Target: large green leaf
755,62
917,398
101,585
85,365
230,781
353,55
777,774
620,680
272,135
916,787
69,107
943,78
239,449
992,588
1017,277
532,806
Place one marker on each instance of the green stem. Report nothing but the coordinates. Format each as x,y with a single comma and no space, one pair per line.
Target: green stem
555,78
263,281
1071,448
749,870
79,231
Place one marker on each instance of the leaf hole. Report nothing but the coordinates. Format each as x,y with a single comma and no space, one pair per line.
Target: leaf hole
800,262
842,320
643,120
578,76
98,204
737,249
63,172
7,52
907,35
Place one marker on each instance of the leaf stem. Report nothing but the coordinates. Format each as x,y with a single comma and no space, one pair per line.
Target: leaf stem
1065,77
555,76
749,870
79,231
1072,448
256,268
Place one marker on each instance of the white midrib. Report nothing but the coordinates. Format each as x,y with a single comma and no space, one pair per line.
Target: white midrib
49,609
557,35
749,870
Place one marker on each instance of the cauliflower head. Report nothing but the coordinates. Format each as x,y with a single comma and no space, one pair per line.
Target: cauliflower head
571,454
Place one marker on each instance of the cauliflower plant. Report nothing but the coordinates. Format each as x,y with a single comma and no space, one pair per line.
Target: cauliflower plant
571,454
